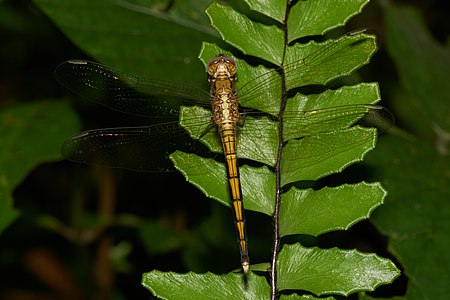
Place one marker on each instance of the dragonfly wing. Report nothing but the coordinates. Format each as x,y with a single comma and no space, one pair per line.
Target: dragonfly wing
127,93
136,148
378,117
299,124
262,92
332,59
316,67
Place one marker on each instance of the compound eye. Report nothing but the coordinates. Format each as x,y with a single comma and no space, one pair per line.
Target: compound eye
214,61
229,60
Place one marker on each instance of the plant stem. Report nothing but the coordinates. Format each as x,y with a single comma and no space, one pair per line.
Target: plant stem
278,193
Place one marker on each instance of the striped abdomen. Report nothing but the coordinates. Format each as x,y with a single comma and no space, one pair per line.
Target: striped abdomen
222,78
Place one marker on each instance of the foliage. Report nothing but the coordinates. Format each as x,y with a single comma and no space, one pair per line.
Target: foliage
323,63
127,35
43,125
415,163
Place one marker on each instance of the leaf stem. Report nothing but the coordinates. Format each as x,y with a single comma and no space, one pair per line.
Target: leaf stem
278,191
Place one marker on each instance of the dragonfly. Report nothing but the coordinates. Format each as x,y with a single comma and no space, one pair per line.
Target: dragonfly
147,148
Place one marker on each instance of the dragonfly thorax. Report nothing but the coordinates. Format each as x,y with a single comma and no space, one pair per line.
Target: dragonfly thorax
222,79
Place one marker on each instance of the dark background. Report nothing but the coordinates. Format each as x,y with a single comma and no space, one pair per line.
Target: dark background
84,232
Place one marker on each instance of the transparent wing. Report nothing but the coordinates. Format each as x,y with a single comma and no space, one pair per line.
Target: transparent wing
126,93
258,135
299,124
316,68
145,148
158,98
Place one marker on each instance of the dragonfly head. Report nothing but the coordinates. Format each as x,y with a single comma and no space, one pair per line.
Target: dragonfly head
221,67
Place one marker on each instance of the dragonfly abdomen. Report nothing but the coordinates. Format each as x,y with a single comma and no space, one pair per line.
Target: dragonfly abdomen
228,137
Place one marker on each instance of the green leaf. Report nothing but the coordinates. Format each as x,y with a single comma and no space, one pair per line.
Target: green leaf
319,16
423,63
316,156
415,166
257,137
329,60
273,9
303,297
134,38
316,212
168,285
362,93
30,134
8,214
318,144
206,174
307,64
250,35
327,145
329,111
258,184
416,214
332,271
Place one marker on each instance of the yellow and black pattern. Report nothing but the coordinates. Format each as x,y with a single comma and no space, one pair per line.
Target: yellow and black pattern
225,107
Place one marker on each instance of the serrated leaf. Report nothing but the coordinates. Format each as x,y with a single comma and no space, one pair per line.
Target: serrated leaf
251,36
168,285
29,135
258,184
324,62
329,111
316,212
361,93
320,155
332,271
308,64
257,138
273,9
303,297
206,174
308,18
